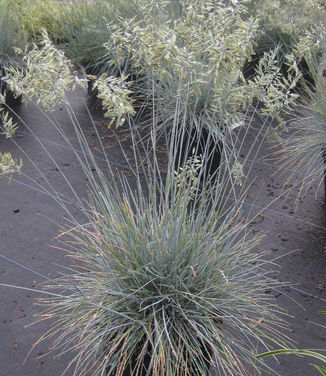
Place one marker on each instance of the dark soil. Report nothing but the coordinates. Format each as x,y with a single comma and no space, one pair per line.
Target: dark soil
296,238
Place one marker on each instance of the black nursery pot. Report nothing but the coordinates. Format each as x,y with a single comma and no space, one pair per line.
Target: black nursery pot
133,365
90,89
147,360
11,99
199,144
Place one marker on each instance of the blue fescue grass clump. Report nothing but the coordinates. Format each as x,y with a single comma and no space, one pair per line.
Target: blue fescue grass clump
165,271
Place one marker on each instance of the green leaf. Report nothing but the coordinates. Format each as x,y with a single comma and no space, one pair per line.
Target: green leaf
310,353
321,370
